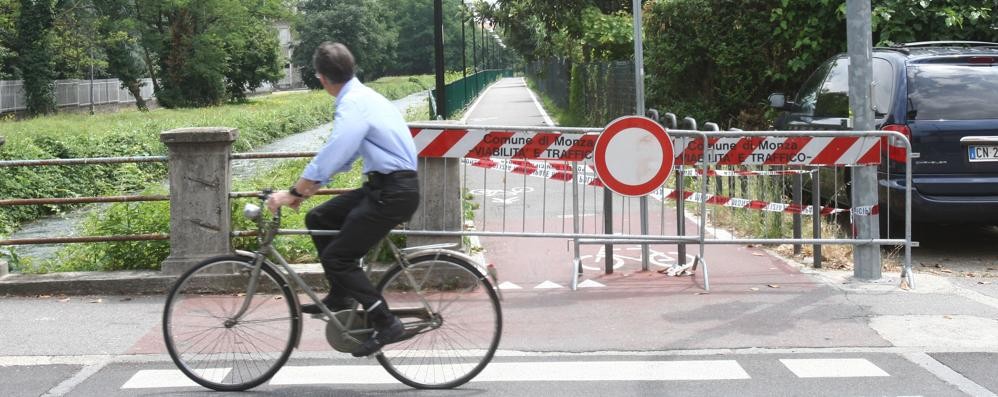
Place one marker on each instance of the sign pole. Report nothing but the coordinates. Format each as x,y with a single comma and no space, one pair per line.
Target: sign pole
859,39
639,95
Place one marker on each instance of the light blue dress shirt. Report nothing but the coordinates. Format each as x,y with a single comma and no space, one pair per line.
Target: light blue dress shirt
365,125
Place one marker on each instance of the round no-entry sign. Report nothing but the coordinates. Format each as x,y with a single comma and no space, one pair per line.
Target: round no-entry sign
633,156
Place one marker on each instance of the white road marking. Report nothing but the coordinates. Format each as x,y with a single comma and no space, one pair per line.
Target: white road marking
566,371
591,284
509,285
153,378
544,113
833,368
548,285
948,375
82,375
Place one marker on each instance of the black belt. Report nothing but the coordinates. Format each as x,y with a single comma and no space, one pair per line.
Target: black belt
379,179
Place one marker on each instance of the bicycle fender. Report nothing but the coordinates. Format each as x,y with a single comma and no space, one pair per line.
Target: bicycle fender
451,253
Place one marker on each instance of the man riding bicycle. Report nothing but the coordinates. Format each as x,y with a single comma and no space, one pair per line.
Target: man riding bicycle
369,126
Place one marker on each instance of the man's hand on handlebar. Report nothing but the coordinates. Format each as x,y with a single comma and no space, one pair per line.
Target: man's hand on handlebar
283,199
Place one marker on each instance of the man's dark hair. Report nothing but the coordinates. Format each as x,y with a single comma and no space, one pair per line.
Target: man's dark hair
334,61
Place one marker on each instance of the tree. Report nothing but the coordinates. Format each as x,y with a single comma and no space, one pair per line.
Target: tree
76,41
8,34
361,25
252,47
579,30
414,19
34,64
208,51
119,31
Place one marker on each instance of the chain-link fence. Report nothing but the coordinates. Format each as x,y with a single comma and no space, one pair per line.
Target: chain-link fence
593,94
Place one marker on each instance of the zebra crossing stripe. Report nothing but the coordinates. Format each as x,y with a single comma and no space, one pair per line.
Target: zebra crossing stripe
536,371
833,368
155,378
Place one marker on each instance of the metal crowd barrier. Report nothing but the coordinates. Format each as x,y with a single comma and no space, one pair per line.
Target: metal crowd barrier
527,152
555,156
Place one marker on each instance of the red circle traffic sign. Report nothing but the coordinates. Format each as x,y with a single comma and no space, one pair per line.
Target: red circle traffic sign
633,155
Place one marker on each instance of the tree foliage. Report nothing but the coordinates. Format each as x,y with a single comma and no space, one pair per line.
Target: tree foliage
8,34
414,19
361,25
34,61
208,51
579,30
119,31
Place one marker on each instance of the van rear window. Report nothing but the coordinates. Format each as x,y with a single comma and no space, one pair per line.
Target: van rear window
953,92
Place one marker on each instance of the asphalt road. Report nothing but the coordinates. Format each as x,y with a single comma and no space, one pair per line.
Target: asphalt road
766,327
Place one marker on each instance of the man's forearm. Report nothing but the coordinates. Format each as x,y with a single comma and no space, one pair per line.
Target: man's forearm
306,187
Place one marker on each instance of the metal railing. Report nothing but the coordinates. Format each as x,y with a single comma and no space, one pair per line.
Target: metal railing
119,198
562,173
74,92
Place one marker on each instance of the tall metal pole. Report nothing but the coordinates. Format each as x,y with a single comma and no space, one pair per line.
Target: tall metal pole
438,45
464,59
474,47
485,48
639,99
91,81
859,38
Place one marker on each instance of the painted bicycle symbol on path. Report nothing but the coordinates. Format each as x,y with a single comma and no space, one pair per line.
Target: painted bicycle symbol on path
503,196
632,255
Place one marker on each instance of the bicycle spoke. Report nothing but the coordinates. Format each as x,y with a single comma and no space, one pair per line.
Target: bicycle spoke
217,350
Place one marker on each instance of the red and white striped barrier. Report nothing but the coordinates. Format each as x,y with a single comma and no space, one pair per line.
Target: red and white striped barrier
731,202
586,176
798,150
545,145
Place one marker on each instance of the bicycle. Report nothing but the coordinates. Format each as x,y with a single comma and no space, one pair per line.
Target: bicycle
231,322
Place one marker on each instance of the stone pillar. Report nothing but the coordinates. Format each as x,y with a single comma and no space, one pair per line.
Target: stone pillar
200,179
440,207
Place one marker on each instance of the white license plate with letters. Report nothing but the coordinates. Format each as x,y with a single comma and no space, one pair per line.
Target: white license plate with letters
982,153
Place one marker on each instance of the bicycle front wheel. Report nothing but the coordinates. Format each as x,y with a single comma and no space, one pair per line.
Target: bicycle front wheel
453,335
214,347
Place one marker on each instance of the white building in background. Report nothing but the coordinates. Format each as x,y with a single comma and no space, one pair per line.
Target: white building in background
292,73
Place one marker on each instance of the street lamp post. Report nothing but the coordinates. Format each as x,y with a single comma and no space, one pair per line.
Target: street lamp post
438,44
485,48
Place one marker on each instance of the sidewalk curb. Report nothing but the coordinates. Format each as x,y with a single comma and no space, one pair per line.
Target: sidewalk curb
110,283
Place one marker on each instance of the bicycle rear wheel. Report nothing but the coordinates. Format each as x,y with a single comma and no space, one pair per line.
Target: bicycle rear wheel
209,344
453,343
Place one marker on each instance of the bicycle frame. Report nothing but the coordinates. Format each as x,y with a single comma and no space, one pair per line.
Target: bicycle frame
268,231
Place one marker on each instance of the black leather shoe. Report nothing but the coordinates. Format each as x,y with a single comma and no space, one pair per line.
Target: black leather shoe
334,303
382,336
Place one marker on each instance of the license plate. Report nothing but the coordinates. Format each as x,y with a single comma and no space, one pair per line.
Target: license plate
982,153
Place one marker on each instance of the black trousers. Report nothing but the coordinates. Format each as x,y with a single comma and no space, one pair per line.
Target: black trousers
363,216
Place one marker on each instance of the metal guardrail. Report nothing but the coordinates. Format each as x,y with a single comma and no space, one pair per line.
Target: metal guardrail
121,199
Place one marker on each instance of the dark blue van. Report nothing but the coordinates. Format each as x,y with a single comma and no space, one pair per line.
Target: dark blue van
944,97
